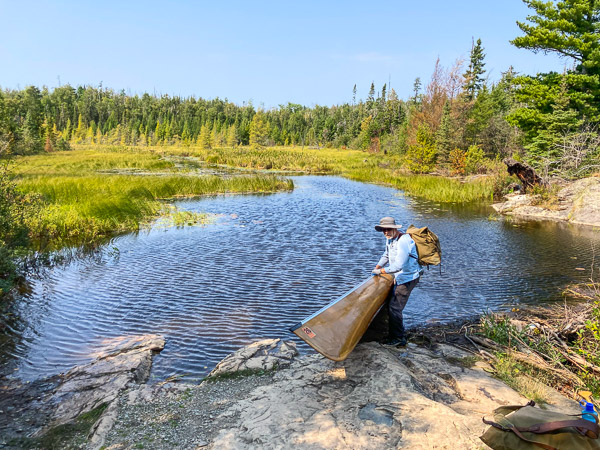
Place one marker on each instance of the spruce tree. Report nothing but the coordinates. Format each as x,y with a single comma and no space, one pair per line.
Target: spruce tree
474,75
444,135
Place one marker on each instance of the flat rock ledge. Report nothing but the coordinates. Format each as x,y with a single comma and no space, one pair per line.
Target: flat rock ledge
578,203
378,398
31,409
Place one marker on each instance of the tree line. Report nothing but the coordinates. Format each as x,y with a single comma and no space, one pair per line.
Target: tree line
549,119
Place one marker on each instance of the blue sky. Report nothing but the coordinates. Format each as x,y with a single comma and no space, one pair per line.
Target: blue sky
270,52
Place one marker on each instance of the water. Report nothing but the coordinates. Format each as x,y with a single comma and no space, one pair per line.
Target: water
269,261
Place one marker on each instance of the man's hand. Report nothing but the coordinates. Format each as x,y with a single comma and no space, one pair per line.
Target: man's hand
377,271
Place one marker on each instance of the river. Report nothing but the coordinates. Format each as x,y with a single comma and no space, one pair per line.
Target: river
268,261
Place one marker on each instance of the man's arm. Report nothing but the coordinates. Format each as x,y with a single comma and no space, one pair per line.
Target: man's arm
384,259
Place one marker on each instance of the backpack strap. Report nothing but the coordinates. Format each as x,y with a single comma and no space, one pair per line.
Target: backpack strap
582,426
510,427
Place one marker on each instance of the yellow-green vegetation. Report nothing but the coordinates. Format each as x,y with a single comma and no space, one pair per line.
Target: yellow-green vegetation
287,159
429,187
546,196
86,195
93,191
353,164
519,377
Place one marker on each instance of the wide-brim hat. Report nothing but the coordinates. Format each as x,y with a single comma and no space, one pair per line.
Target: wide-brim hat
387,222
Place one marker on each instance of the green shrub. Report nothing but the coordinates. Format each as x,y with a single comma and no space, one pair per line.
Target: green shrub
474,159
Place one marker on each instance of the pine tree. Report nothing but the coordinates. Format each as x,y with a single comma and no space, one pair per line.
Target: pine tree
568,28
185,134
66,133
417,90
214,138
98,137
79,134
444,135
371,98
89,136
157,136
551,101
49,137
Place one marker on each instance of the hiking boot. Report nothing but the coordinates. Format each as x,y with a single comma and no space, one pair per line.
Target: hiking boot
395,341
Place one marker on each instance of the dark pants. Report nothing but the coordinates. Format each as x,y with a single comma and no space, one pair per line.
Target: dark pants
397,302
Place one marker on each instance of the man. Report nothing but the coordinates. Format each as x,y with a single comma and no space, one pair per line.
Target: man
401,256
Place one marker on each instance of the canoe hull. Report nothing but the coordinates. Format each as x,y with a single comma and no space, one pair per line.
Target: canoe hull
335,330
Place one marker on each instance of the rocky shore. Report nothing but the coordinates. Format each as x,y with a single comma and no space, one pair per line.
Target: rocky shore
577,203
266,396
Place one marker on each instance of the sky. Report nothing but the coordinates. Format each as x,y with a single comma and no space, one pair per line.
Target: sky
268,52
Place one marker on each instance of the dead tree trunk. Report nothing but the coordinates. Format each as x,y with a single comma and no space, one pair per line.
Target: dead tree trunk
524,172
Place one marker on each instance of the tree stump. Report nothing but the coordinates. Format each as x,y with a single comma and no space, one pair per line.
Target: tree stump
524,172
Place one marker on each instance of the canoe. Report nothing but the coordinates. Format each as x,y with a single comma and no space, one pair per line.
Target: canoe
335,329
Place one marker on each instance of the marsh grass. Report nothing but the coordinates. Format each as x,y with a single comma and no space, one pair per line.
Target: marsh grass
287,159
434,188
93,191
352,164
79,206
86,161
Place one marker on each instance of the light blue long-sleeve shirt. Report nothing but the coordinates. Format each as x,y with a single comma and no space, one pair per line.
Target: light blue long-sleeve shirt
401,254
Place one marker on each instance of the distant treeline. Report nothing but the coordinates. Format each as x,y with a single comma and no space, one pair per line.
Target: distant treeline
455,111
548,119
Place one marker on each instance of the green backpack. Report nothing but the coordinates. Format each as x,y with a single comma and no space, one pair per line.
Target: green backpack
526,427
428,245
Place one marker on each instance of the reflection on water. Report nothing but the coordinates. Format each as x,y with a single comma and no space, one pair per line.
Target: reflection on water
269,261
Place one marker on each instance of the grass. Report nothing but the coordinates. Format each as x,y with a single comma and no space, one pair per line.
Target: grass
521,379
77,205
429,187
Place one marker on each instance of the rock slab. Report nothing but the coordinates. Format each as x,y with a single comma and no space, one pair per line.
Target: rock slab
578,203
265,355
36,407
379,398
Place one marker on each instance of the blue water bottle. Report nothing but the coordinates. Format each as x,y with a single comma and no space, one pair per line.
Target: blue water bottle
588,413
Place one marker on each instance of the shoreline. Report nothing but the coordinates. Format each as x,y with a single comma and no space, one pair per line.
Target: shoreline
268,377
